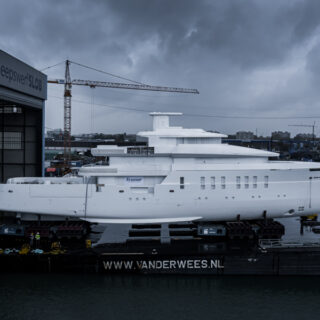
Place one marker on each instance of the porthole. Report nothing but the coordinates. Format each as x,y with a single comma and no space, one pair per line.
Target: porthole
213,182
266,181
223,182
246,182
238,182
203,182
255,182
181,182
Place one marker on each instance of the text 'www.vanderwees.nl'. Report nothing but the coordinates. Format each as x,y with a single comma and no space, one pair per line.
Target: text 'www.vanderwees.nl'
162,264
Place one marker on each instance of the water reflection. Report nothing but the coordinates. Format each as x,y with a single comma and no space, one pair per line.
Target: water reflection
155,297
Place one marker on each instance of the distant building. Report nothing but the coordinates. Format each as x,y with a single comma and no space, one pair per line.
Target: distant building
280,135
304,136
244,135
54,134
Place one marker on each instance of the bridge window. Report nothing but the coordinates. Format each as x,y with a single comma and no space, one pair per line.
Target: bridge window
246,182
213,182
255,182
223,182
238,182
203,182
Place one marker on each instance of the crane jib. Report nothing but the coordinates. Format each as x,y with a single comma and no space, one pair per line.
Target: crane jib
124,86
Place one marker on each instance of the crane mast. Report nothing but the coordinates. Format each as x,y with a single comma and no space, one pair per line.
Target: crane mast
67,115
67,82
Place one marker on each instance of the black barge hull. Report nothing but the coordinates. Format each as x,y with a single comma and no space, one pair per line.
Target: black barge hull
287,261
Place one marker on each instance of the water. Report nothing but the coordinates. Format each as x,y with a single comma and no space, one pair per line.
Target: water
73,296
157,297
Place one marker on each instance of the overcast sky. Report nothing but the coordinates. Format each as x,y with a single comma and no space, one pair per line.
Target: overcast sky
258,59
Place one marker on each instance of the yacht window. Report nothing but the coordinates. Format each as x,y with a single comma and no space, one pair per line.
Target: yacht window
246,182
213,182
223,182
255,180
238,182
203,182
181,182
266,181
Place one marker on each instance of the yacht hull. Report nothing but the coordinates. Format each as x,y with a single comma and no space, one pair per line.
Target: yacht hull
287,194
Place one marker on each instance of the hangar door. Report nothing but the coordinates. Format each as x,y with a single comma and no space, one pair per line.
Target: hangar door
20,140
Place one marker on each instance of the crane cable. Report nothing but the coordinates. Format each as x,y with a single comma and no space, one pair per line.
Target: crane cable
94,69
92,110
105,72
198,114
51,66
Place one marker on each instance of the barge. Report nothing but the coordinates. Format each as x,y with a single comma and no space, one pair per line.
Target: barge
148,250
208,259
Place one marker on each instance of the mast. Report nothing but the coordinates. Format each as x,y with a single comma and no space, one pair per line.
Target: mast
67,115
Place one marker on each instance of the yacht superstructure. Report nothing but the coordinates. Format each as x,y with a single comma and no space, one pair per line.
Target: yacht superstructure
182,175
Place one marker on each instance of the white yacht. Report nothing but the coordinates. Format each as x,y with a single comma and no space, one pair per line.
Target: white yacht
182,175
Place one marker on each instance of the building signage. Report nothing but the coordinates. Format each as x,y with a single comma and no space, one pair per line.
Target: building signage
17,75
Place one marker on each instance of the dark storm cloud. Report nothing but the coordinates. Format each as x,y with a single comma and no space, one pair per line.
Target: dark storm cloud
249,33
246,57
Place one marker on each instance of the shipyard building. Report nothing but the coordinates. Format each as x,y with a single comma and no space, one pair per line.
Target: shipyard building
23,91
